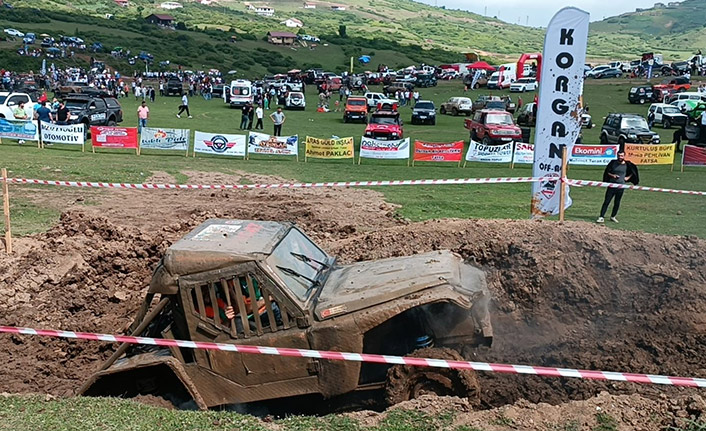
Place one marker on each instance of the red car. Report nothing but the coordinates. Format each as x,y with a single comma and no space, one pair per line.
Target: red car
678,84
493,127
384,124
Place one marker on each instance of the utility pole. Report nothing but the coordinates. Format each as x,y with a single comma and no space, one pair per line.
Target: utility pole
485,12
527,20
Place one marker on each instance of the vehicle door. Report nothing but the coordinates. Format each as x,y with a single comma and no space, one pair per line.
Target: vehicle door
272,319
97,112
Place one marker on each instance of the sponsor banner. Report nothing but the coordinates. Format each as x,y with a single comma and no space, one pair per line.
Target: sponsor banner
438,151
378,149
219,143
559,104
19,129
593,154
650,154
523,154
693,156
114,137
164,139
340,148
70,134
260,143
478,152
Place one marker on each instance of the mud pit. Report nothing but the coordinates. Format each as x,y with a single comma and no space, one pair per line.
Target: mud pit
604,299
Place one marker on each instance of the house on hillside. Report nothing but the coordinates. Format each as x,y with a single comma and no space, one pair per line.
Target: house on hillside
161,19
309,5
660,6
265,11
293,23
338,8
122,3
281,37
170,5
673,4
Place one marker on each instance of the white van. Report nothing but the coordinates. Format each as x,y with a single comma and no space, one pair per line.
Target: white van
509,75
239,93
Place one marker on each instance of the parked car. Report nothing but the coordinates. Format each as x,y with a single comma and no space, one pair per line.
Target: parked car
425,80
609,73
385,124
523,84
481,82
13,32
678,84
456,106
29,39
356,109
642,94
621,128
9,101
667,115
493,127
483,100
596,70
295,100
527,114
424,112
173,87
375,99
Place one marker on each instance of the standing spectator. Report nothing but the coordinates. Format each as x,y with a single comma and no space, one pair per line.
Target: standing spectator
152,94
143,114
618,171
21,114
341,93
44,113
138,92
702,131
258,114
244,114
650,119
184,106
519,102
416,96
251,115
161,88
266,102
62,114
278,118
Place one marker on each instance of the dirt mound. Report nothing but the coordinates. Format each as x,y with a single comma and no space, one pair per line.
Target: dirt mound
572,295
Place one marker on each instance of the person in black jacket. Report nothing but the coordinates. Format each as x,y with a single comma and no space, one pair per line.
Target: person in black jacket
618,171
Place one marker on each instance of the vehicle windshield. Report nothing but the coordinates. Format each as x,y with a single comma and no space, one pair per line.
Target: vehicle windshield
389,120
633,123
500,119
357,102
76,104
424,105
495,104
298,255
670,110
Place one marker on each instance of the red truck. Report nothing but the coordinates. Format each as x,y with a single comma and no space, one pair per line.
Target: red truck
493,127
385,123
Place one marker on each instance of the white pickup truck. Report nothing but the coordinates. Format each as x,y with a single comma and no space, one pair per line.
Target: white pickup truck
374,99
9,102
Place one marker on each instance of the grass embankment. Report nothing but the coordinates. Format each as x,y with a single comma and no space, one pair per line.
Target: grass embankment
650,212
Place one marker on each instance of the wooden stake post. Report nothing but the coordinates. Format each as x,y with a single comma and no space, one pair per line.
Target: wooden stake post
562,184
6,211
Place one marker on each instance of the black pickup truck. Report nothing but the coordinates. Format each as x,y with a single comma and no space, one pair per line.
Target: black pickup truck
93,111
173,87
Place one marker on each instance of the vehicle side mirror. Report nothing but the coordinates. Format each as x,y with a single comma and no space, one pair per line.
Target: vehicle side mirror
10,103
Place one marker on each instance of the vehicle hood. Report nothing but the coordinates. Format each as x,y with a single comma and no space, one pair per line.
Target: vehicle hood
382,128
639,130
357,108
361,285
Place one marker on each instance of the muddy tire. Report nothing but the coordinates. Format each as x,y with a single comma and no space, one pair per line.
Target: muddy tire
406,382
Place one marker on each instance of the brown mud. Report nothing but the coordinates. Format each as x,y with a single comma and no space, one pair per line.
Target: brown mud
572,295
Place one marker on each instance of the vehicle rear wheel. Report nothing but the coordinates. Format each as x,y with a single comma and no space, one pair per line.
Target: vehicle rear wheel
642,101
405,382
442,110
345,119
477,86
667,124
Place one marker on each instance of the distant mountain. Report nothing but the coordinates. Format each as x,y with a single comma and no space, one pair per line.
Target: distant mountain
664,19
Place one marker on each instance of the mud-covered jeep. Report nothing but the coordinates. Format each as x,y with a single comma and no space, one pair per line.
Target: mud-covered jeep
266,283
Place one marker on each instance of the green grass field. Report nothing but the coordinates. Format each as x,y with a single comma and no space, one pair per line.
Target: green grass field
650,212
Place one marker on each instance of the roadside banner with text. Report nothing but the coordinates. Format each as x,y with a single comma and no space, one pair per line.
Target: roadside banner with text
593,154
437,151
70,134
650,154
693,156
478,152
559,105
114,137
219,144
165,139
261,143
397,149
334,148
19,129
523,153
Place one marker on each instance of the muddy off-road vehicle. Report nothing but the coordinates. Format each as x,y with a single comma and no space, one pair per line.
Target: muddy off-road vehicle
427,305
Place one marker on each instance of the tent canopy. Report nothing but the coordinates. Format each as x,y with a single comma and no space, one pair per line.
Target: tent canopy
481,65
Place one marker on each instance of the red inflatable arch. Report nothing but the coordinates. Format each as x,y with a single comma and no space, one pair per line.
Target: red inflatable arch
526,57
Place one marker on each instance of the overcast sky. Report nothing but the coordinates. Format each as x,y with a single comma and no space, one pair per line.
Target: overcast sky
537,13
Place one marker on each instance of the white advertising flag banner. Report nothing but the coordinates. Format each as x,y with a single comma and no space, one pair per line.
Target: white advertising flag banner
219,143
478,152
378,149
71,134
164,139
261,143
559,111
523,154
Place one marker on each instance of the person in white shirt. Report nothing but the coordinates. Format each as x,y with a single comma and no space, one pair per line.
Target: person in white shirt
184,106
259,112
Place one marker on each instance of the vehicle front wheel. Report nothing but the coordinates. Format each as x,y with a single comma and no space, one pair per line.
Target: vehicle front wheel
487,140
477,86
405,382
604,139
442,110
454,112
642,101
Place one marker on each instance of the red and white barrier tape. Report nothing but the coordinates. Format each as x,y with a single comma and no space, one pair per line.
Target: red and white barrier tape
630,186
372,358
450,181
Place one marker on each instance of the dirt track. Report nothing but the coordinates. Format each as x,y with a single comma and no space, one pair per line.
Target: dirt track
603,299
